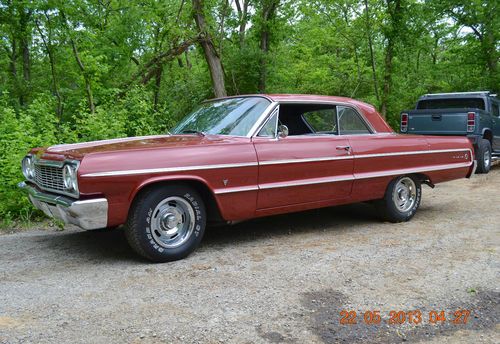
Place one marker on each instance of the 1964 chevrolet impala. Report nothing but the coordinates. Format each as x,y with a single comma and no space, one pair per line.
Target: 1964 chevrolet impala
238,158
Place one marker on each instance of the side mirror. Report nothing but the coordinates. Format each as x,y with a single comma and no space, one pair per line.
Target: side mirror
282,131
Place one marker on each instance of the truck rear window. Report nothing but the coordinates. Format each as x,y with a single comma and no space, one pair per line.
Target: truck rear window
458,103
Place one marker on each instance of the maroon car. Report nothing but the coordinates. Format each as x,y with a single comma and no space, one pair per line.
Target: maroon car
238,158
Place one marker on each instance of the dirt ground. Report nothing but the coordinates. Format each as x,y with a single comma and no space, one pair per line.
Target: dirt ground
279,279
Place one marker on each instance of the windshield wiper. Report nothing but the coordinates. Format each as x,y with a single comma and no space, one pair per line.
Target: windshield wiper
197,132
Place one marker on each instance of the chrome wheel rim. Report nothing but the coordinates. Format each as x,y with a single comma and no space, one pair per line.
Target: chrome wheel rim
405,194
486,158
172,222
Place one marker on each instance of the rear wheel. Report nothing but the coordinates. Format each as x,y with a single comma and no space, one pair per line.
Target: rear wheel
401,200
166,223
483,154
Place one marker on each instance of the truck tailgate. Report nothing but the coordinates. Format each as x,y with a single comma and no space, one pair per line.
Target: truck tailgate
441,122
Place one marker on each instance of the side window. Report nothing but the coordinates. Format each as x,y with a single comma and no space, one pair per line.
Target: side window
269,129
350,123
494,109
322,121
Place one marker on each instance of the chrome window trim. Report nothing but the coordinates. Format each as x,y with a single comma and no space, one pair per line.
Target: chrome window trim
274,112
363,119
238,96
328,102
262,119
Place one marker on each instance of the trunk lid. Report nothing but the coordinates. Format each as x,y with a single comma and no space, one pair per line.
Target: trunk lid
437,122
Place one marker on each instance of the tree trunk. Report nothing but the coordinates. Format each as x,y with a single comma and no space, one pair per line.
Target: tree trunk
159,73
242,9
88,87
24,35
491,56
392,34
47,42
370,46
209,50
268,13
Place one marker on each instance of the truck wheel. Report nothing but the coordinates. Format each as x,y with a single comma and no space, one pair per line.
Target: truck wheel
483,155
166,223
401,200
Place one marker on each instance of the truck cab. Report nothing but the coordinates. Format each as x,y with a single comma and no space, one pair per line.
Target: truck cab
472,114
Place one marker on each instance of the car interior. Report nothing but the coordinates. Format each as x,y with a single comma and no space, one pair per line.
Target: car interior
316,119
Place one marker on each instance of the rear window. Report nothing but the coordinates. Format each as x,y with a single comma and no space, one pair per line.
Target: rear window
459,103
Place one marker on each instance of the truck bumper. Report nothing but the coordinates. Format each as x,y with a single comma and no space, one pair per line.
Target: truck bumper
86,214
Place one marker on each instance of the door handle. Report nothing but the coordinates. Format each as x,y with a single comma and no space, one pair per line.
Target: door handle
346,148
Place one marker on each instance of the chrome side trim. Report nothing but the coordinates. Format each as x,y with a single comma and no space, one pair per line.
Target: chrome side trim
236,189
168,169
357,176
360,156
302,182
344,157
293,161
367,175
263,163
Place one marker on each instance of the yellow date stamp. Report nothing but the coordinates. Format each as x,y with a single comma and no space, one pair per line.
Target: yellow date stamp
398,317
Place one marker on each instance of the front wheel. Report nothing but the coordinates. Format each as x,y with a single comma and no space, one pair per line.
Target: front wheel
166,223
401,200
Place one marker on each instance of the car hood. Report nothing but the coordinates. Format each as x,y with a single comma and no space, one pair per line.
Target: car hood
79,150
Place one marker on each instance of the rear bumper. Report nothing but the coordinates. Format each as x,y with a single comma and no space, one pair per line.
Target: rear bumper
86,214
472,169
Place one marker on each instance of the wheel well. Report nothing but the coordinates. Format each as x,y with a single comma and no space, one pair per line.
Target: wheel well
423,179
212,208
488,135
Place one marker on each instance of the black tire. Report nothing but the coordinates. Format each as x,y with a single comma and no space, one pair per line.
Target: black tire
483,156
388,207
160,210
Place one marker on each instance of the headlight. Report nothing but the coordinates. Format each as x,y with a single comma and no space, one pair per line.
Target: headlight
28,166
69,178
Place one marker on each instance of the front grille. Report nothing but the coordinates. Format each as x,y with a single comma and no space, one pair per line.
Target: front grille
49,178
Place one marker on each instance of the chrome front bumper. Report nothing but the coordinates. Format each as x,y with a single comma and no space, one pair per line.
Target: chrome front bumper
86,214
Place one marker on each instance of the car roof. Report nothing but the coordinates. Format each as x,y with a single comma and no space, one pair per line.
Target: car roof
293,97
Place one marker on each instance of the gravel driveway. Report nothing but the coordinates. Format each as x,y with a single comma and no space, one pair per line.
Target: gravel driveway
278,279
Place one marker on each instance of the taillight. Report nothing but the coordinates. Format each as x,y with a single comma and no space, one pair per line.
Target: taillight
404,122
471,122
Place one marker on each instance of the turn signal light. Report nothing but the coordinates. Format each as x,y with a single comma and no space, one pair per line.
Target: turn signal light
471,122
404,122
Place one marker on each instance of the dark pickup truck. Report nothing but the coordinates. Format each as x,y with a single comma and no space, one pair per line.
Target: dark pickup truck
472,114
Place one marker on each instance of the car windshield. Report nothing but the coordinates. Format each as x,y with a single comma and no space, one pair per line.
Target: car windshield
231,116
